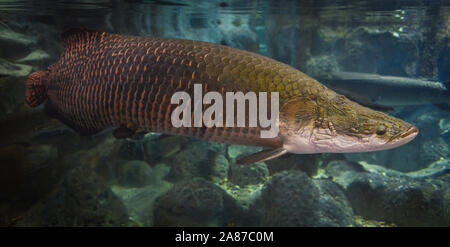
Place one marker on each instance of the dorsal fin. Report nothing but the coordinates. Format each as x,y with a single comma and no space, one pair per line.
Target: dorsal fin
76,40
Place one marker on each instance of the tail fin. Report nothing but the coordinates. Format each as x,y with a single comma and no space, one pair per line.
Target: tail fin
36,90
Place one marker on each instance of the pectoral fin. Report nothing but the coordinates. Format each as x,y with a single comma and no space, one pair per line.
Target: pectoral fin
264,155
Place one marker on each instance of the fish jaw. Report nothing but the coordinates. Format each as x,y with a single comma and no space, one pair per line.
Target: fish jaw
403,138
325,141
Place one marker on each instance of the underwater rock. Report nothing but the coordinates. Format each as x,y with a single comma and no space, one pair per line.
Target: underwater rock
211,26
427,119
236,31
134,173
244,175
321,64
37,171
106,148
307,163
170,145
195,202
32,171
386,195
140,201
11,161
394,48
444,127
14,44
334,209
215,147
399,58
444,62
187,163
21,124
151,147
434,150
194,160
288,199
36,58
236,151
12,94
161,21
102,157
291,198
38,157
132,150
434,170
220,167
53,132
26,172
157,146
152,136
283,40
14,69
244,198
8,35
82,199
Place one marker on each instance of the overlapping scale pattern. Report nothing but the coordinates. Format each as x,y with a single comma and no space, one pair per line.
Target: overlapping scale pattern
108,80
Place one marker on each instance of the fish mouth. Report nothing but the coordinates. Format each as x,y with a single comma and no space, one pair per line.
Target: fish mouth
412,131
404,137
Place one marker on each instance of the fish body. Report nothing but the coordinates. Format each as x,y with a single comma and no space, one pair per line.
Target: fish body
105,80
386,90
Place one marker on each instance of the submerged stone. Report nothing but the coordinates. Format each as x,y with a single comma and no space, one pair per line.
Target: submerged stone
12,94
291,198
244,175
307,163
140,201
385,195
14,44
134,173
220,167
14,69
82,199
195,202
36,57
237,151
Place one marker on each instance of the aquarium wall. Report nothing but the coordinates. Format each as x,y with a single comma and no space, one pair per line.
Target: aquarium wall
52,176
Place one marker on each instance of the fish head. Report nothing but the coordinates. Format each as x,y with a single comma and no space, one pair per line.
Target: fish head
335,124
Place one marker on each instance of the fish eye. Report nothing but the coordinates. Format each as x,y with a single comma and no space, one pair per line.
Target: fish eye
381,130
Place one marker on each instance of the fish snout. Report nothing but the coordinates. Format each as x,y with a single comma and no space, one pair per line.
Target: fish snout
404,137
411,132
